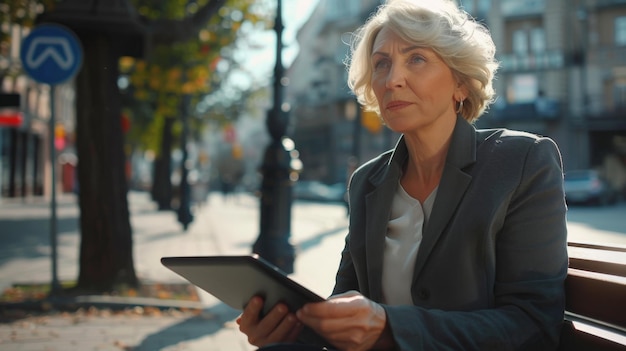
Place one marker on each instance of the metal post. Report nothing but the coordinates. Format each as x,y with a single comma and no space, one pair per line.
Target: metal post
55,287
184,209
279,167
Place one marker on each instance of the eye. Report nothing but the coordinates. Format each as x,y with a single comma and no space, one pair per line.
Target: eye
381,63
415,58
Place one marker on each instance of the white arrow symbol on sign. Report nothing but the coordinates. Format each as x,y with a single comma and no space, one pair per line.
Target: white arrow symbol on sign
64,61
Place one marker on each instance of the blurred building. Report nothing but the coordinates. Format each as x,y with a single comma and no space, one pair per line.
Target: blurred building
563,74
25,168
330,130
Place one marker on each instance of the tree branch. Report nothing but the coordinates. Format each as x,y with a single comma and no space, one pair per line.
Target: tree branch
166,32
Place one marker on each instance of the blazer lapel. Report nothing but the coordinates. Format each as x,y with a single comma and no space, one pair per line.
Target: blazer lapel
452,187
378,208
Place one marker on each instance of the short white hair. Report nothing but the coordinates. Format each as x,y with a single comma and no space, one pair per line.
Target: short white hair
464,44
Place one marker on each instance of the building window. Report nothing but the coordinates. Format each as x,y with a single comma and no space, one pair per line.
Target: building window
520,42
529,40
620,30
522,88
537,40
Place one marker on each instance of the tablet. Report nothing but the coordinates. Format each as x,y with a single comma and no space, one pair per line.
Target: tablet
235,279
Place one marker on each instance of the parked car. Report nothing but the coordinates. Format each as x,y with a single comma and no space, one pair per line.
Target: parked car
589,187
313,190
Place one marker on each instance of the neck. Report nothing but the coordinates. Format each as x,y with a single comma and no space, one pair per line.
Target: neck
427,159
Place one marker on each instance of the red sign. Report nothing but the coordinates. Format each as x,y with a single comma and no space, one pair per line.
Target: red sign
11,119
125,123
229,133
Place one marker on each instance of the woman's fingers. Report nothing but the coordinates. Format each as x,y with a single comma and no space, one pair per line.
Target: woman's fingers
295,331
251,313
282,327
277,326
349,321
348,304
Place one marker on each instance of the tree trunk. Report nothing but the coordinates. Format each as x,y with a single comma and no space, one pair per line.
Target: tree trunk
106,257
162,189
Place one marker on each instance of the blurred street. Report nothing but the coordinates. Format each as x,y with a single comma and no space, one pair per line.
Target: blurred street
597,224
222,226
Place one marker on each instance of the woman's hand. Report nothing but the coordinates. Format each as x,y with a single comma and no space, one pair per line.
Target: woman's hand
277,326
349,321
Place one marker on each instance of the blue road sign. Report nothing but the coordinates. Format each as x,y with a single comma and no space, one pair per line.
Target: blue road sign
51,54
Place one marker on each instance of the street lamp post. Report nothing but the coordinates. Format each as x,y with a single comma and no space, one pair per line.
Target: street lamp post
184,207
279,171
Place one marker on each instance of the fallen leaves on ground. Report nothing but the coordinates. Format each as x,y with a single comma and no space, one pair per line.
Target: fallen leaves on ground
36,292
36,296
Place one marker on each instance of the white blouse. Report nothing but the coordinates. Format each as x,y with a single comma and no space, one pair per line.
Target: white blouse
404,235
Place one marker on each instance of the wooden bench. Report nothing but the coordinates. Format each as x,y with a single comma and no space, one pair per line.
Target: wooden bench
595,289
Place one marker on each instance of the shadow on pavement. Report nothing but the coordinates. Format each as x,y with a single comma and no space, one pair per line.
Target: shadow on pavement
211,322
317,239
307,244
156,237
24,238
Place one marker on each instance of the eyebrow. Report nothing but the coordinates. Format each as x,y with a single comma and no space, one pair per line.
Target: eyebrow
402,51
410,48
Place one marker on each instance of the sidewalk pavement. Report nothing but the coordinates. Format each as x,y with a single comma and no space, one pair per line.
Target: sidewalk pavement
222,226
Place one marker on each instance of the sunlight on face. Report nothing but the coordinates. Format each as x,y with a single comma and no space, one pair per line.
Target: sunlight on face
413,86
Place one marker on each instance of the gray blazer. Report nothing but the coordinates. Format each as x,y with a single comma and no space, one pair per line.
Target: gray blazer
490,270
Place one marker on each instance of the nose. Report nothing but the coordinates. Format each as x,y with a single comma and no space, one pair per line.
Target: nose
396,77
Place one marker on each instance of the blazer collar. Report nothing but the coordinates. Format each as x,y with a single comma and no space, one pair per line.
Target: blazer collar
453,184
461,154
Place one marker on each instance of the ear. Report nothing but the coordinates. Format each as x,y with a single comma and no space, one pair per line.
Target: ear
460,92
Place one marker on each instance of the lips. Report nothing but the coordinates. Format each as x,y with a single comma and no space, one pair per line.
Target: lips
396,105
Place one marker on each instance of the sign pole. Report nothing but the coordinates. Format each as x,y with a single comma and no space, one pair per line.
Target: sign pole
52,54
54,286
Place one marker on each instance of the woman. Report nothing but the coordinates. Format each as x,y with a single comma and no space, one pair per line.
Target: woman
457,236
